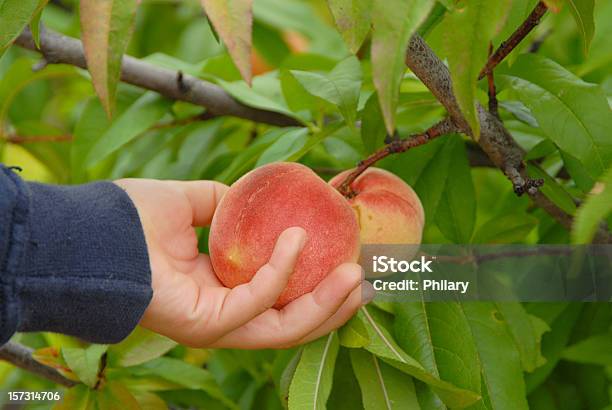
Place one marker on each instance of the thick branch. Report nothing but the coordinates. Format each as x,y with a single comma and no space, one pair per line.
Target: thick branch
519,34
59,49
21,356
495,140
446,126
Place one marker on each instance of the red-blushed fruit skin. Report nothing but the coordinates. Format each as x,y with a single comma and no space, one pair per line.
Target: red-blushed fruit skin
265,202
388,210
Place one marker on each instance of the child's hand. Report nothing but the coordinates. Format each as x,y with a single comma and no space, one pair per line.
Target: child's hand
189,303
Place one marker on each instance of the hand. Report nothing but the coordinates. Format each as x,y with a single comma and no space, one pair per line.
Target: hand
189,303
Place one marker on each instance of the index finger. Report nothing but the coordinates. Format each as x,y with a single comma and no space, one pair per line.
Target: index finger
204,197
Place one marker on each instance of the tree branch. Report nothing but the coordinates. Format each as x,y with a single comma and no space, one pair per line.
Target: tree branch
495,140
59,49
21,356
446,126
519,34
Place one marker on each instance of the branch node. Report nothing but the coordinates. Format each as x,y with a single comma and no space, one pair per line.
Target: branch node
180,82
40,65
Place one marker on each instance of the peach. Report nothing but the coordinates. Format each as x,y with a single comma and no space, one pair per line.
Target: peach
388,209
265,202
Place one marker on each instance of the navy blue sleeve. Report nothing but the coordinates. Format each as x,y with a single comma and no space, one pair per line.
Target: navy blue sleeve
73,260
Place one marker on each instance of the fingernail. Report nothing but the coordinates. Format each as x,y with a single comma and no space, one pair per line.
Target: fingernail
367,292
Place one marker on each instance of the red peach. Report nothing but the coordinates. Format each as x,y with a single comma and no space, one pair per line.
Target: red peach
265,202
388,209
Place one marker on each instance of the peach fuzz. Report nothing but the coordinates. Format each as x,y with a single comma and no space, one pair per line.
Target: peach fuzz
388,210
265,202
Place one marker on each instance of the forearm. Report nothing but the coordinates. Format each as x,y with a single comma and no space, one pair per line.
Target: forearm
75,261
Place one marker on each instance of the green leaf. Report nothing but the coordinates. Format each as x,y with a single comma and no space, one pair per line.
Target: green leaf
138,118
115,396
183,374
140,346
85,363
373,130
233,21
149,401
594,350
35,22
345,393
553,190
353,20
583,11
594,209
354,334
340,87
393,22
14,16
383,346
265,93
574,114
313,377
247,158
526,331
285,147
106,27
508,228
500,362
438,336
382,386
468,31
456,213
554,341
76,398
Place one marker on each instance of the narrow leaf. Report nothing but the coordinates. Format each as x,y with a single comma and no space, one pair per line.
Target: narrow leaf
138,118
456,213
313,377
373,130
284,147
583,11
501,366
526,331
394,22
233,21
85,362
353,19
594,350
383,346
14,16
76,398
140,346
574,114
114,395
596,207
106,27
340,87
382,386
468,31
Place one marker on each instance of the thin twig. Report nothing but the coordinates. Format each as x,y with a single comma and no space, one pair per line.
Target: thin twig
395,146
19,139
59,49
493,107
21,356
519,34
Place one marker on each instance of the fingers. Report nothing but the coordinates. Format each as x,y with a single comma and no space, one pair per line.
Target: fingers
203,196
358,297
244,302
303,316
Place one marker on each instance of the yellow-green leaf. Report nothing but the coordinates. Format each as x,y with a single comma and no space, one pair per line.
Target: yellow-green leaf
233,21
582,10
353,19
14,16
106,27
393,22
597,206
469,29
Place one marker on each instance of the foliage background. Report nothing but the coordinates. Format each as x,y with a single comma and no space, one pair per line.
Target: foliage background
545,356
